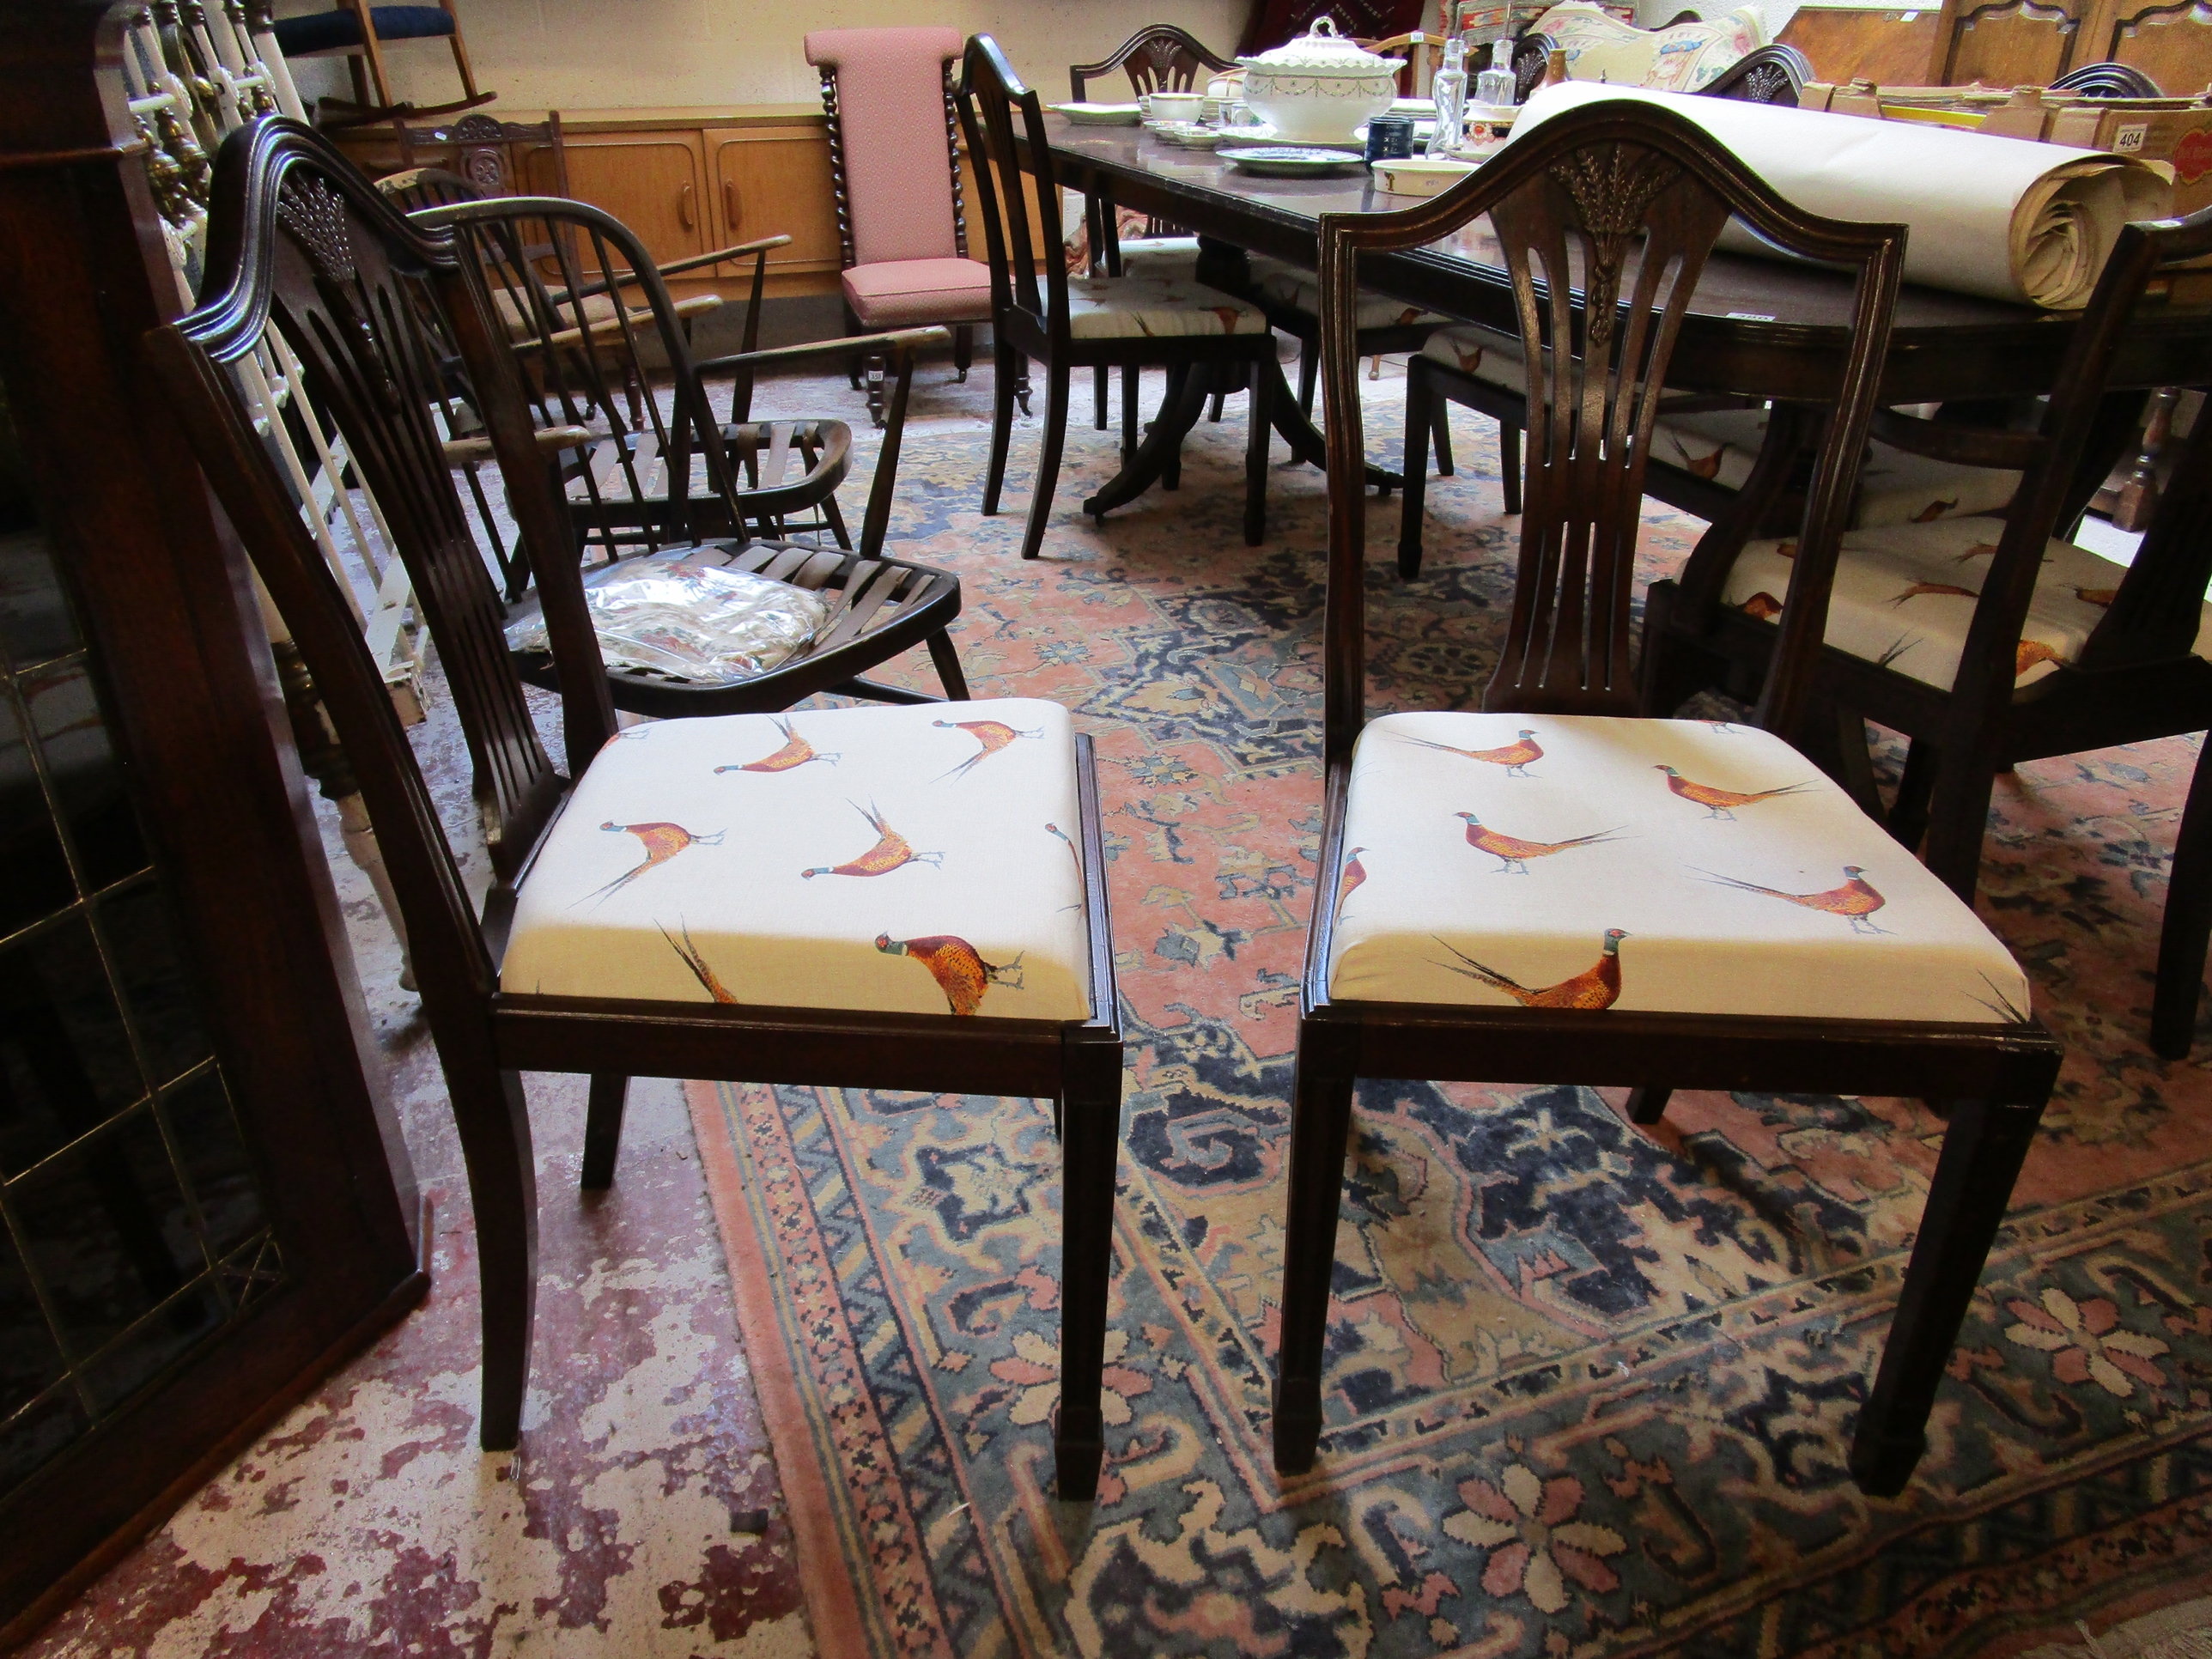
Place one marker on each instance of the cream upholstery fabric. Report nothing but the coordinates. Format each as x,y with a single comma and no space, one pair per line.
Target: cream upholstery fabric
1124,307
1606,842
1287,285
908,293
1895,486
1482,352
1905,596
1169,258
1684,58
789,856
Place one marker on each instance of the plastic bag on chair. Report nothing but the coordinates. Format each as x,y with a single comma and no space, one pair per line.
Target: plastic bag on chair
682,616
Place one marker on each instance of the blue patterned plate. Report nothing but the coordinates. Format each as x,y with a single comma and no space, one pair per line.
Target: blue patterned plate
1286,162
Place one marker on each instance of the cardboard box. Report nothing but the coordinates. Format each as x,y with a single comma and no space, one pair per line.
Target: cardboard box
2174,134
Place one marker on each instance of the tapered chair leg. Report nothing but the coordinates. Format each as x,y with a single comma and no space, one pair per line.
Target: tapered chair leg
1908,814
1321,1127
1508,464
1002,424
963,350
1099,378
1424,412
603,1123
1047,472
947,663
2188,928
1129,428
1959,821
1648,1103
1091,1142
1256,455
1984,1145
494,1126
1440,432
1308,375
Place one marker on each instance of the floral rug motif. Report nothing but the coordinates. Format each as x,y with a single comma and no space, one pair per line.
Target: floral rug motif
1590,1388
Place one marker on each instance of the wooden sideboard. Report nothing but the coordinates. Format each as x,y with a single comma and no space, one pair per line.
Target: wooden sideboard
2007,43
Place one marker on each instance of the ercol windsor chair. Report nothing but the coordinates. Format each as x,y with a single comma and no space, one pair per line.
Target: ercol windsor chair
1159,57
674,905
894,164
1079,322
359,31
1549,891
582,316
1990,641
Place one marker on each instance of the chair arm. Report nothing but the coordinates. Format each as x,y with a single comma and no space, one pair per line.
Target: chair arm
1964,446
460,451
763,245
898,341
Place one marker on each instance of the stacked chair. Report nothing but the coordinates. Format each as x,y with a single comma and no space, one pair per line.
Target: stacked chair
711,958
1655,937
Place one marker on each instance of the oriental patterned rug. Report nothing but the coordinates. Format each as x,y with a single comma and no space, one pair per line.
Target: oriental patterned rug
1590,1388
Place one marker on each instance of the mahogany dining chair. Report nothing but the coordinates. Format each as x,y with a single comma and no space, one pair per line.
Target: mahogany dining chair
652,911
1550,890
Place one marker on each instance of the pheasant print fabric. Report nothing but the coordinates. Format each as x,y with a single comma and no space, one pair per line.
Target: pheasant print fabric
911,860
1681,866
1482,352
1154,307
1906,594
1287,285
1895,486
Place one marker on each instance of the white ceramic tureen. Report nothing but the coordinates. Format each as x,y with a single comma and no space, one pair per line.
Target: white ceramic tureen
1318,89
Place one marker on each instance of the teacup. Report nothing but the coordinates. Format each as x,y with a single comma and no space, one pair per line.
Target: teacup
1172,105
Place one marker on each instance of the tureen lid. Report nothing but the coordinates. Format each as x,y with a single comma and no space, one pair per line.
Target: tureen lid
1323,51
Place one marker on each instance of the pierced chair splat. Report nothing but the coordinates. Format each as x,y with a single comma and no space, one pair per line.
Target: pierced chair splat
698,899
1204,339
1552,891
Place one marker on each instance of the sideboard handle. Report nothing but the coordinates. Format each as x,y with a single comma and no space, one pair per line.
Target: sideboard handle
686,211
732,209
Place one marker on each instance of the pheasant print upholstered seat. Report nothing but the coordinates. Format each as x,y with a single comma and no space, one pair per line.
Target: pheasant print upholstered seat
1906,594
897,860
1665,866
1286,284
1154,307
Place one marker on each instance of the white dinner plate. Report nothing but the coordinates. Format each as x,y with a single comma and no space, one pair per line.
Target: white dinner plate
1100,115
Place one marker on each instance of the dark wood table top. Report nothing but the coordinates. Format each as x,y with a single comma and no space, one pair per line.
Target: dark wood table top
1764,327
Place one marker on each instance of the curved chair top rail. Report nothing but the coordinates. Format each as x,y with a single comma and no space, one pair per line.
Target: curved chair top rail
1772,74
300,241
1608,173
992,99
2108,81
1159,57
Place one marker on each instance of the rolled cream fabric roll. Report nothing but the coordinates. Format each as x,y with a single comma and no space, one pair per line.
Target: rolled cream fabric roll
2005,218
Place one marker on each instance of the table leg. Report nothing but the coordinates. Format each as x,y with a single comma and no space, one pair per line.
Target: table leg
1306,442
1179,412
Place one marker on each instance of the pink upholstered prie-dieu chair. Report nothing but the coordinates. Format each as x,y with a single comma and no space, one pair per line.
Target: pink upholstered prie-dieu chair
888,95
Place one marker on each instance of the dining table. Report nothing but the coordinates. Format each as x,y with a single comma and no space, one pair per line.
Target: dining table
1756,328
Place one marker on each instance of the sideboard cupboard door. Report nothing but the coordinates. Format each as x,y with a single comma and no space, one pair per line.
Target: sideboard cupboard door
2009,43
656,184
204,1202
775,181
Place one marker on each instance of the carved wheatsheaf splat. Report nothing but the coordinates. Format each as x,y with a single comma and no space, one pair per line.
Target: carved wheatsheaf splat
1611,189
310,210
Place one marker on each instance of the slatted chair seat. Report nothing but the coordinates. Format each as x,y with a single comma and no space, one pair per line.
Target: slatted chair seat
1789,902
1905,597
1151,307
856,829
877,608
